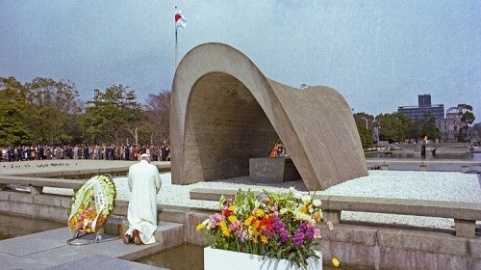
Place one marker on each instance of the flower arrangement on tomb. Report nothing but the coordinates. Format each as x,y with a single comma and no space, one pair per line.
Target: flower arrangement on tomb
92,204
282,226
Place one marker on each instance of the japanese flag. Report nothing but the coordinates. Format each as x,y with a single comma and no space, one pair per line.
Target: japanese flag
179,19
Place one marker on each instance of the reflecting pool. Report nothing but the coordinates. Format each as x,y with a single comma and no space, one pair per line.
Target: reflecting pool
186,256
17,225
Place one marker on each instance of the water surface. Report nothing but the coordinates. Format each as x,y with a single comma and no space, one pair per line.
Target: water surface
186,256
17,225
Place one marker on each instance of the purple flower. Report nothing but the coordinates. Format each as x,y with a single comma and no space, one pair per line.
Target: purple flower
269,233
280,229
243,236
310,233
304,232
284,235
299,238
278,224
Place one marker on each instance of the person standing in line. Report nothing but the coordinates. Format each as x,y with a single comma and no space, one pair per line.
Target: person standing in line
86,152
144,184
75,152
165,151
135,152
127,152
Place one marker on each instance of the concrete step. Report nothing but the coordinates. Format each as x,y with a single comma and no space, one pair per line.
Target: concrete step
167,234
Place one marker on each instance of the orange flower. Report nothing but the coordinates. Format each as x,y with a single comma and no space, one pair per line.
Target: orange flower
264,239
266,223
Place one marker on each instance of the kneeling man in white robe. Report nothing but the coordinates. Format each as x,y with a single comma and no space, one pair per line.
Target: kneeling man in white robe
144,184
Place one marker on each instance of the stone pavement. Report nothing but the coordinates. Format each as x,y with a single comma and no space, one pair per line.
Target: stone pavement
49,250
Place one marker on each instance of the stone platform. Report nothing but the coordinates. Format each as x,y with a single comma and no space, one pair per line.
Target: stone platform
50,250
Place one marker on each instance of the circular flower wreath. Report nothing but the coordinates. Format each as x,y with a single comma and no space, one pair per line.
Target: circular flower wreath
92,204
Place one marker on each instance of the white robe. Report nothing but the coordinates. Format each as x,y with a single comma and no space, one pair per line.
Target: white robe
144,183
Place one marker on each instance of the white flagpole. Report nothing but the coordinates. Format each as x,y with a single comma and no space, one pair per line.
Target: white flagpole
176,50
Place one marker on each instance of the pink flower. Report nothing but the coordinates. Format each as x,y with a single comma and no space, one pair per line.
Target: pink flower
330,225
215,220
234,226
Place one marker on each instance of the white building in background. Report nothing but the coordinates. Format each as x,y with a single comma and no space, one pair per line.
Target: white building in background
450,126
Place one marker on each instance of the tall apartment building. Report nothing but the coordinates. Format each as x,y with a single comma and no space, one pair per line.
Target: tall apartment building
424,106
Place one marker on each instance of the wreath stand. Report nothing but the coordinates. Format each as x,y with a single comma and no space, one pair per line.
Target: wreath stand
79,239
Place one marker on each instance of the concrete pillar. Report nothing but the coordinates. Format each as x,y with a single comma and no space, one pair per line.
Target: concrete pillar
332,216
36,190
465,228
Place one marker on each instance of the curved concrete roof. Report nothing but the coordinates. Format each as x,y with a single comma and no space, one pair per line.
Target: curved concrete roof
225,111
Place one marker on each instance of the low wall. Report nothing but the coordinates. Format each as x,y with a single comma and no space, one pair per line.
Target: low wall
371,246
423,165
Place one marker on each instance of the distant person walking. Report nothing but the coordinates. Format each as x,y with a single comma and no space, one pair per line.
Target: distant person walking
144,184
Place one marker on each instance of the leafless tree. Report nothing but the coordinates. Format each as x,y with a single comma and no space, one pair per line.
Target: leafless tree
158,111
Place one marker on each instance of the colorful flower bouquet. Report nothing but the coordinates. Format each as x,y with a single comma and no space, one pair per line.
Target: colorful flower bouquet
282,226
91,205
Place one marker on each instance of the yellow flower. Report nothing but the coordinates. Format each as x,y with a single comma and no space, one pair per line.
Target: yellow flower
223,227
232,218
335,262
200,227
248,221
259,212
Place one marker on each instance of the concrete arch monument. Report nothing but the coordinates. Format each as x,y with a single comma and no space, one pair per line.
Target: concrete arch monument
224,111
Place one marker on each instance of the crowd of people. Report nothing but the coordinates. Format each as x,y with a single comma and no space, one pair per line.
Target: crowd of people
97,151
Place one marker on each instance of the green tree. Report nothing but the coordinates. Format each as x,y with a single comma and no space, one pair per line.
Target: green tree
53,108
365,135
364,124
113,116
425,126
13,128
467,117
394,127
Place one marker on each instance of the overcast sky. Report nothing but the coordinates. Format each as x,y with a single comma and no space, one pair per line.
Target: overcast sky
378,54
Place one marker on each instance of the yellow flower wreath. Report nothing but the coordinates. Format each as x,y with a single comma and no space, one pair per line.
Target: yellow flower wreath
92,204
